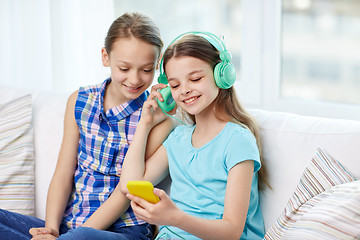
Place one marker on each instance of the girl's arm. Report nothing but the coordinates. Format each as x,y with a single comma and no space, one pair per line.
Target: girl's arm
155,168
62,180
231,226
150,133
118,203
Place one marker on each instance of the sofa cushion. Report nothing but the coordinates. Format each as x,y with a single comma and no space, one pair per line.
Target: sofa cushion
323,173
48,123
289,142
16,153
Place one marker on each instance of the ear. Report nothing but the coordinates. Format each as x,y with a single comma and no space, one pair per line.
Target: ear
105,57
158,61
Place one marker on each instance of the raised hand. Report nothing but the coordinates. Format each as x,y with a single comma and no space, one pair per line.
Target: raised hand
151,113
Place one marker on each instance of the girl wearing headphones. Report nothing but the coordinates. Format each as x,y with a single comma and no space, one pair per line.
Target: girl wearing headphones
214,162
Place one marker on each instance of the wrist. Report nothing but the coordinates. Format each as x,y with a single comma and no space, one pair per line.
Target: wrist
178,218
54,230
145,125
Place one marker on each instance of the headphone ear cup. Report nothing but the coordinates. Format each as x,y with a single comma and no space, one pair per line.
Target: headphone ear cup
168,104
162,79
224,75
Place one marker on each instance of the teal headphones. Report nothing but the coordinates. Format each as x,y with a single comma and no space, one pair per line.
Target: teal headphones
224,72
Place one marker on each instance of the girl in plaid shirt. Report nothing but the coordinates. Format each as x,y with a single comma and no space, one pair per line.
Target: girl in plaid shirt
99,126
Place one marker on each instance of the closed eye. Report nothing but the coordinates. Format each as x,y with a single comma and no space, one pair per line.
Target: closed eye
148,70
196,79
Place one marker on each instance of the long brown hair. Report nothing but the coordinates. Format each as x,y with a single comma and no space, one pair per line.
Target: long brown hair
133,24
227,105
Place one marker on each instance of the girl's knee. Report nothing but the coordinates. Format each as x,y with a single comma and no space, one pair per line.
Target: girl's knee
3,216
6,216
3,213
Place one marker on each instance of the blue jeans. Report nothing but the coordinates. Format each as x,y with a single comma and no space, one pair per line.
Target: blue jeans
14,226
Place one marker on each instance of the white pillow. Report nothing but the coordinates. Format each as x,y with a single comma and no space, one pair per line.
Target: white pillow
322,174
16,154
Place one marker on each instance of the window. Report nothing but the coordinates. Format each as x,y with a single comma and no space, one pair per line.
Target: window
309,54
321,50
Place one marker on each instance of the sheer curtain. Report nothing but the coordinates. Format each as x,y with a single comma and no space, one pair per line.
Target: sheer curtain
53,45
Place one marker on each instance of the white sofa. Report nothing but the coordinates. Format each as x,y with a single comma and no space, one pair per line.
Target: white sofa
289,141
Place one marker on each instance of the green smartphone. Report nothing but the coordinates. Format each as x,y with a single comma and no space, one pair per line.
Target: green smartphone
143,189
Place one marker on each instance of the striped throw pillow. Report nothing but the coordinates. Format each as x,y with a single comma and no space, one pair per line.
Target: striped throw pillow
16,155
333,214
323,173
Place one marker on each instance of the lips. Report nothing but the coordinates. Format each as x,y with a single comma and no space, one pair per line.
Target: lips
190,100
133,89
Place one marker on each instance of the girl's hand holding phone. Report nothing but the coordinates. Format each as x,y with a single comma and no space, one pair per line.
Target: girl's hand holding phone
163,212
144,190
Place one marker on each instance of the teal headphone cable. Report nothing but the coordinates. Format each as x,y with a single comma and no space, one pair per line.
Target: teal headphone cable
174,117
165,234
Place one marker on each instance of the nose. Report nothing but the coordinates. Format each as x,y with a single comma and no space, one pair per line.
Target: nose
134,78
185,89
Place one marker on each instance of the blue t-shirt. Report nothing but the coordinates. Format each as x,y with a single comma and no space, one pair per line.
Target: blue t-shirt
199,176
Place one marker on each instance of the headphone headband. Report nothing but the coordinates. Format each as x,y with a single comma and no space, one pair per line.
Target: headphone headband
210,37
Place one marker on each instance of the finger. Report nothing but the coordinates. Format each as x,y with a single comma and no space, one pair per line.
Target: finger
142,202
157,95
139,211
33,231
38,237
36,231
46,231
160,193
158,86
130,196
153,104
136,207
148,104
46,236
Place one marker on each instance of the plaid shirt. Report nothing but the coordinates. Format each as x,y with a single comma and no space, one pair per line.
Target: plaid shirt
104,141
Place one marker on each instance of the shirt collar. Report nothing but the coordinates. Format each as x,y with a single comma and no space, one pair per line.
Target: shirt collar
126,109
121,111
100,99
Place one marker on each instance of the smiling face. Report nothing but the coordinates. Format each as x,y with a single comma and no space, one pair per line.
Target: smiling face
132,63
192,84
